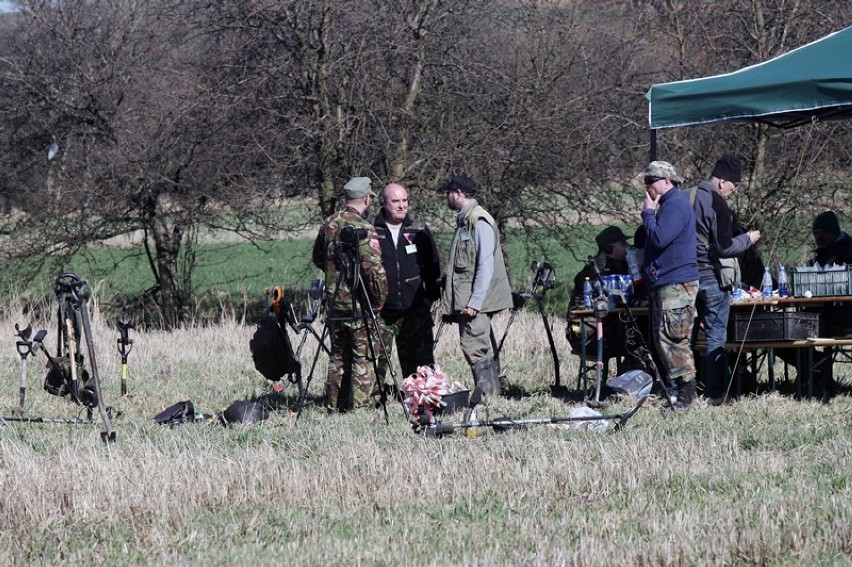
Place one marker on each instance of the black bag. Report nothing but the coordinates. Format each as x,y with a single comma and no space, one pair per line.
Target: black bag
58,381
272,351
177,414
244,411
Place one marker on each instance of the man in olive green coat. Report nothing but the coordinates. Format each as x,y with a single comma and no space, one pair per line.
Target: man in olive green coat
477,285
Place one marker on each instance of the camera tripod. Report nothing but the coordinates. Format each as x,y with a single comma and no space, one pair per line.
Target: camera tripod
67,375
348,265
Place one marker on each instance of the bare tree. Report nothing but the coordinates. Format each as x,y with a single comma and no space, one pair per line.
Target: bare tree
116,85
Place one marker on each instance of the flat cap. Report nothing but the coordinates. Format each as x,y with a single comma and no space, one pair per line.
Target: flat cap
461,183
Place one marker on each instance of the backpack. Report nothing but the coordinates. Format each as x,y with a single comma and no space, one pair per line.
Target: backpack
272,351
177,414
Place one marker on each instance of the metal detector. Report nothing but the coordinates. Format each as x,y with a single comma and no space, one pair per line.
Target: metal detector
283,309
634,340
543,281
600,306
26,346
67,370
125,345
507,423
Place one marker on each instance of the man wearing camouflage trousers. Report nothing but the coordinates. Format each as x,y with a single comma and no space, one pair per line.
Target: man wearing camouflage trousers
347,250
671,274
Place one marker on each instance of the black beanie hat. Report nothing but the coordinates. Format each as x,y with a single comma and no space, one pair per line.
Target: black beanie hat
728,168
827,221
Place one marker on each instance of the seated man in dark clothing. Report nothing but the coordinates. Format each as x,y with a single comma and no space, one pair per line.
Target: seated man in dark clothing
615,257
833,246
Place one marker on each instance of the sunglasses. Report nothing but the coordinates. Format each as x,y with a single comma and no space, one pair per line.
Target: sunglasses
609,249
651,180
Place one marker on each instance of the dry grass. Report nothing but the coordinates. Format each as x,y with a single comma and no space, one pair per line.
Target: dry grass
765,481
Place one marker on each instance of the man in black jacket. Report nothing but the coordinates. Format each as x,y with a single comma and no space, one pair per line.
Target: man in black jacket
714,224
413,268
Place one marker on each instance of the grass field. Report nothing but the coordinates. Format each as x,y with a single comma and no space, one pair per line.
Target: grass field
765,481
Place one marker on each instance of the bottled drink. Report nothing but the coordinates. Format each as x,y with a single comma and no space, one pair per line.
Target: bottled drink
766,285
737,292
782,282
587,294
627,288
633,265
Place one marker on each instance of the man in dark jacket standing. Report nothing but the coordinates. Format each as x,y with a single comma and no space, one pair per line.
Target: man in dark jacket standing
671,274
714,223
413,269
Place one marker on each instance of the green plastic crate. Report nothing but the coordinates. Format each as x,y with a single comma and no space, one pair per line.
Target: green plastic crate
822,283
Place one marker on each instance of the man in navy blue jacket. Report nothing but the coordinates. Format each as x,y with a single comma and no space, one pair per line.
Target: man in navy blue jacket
671,273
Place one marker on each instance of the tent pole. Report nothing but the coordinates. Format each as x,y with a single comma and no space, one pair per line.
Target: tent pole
653,145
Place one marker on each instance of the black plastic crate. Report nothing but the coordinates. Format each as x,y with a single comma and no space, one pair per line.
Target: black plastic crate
772,326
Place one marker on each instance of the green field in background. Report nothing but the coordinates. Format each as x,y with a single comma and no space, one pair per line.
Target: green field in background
238,272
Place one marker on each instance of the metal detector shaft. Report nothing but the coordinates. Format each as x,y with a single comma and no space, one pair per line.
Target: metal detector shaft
22,387
75,421
599,360
507,423
540,302
125,344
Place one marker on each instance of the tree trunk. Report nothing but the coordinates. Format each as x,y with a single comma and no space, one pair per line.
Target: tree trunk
167,243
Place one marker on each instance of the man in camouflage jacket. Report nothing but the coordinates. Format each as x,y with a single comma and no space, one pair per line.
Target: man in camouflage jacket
347,250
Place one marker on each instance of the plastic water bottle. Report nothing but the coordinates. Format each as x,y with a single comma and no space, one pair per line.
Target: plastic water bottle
587,294
633,265
737,292
782,282
766,284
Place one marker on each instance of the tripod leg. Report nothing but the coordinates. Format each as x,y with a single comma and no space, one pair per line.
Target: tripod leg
304,391
379,383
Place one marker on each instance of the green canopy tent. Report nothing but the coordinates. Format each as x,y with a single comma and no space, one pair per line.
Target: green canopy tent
812,82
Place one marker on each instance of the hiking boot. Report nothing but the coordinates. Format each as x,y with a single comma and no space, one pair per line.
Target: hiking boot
686,394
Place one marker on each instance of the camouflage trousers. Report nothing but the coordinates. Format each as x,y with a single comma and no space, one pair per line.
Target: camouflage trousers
350,377
672,318
412,330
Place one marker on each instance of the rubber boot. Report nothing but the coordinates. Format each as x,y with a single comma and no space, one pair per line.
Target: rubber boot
486,376
686,395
